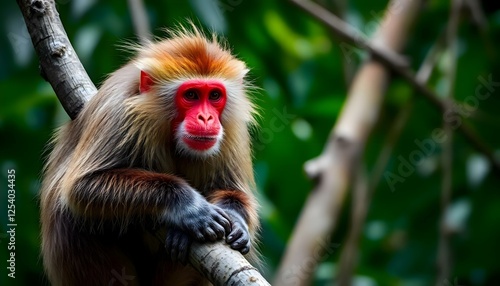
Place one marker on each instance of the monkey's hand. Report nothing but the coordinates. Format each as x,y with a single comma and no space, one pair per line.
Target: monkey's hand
177,245
239,237
200,219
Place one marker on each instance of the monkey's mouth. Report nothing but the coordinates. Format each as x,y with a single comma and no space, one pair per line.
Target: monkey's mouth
200,142
203,138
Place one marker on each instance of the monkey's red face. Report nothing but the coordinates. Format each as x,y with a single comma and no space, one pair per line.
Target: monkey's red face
200,103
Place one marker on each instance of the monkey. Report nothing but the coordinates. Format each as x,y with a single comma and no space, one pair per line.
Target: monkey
159,158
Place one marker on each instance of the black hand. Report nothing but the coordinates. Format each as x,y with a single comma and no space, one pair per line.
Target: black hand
205,222
239,237
198,218
177,245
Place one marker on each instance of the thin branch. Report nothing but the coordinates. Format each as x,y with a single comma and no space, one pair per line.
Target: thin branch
478,18
423,75
349,33
140,20
398,65
477,14
360,202
339,8
64,71
444,249
429,63
59,63
388,148
335,167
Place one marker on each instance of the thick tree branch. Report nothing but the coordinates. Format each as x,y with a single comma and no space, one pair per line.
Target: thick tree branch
59,64
63,70
224,266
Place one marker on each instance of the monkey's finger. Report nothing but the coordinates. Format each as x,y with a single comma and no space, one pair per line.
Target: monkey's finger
234,235
223,220
240,243
222,213
219,230
199,236
245,250
210,234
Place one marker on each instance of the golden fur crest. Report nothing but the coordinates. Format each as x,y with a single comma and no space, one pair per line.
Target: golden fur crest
187,54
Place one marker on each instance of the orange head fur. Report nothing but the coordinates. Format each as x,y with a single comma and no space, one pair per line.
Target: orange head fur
190,54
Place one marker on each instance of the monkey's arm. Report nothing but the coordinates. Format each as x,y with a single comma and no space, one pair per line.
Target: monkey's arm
242,211
123,194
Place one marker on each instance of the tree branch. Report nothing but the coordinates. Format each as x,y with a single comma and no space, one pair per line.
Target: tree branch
478,17
396,64
224,266
140,19
339,8
61,67
361,202
336,166
444,261
360,206
350,34
59,64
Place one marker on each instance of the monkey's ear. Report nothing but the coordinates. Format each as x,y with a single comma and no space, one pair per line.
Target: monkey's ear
146,82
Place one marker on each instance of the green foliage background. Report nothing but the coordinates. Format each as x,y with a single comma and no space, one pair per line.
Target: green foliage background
298,64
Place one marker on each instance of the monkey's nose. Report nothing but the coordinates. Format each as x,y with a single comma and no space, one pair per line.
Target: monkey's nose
205,118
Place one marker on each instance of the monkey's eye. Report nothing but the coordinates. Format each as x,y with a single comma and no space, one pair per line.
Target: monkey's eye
191,95
214,95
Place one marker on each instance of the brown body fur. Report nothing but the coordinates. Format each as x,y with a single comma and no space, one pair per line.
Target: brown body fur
104,184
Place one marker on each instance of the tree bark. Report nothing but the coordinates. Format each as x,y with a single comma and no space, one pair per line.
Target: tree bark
59,64
61,67
224,266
